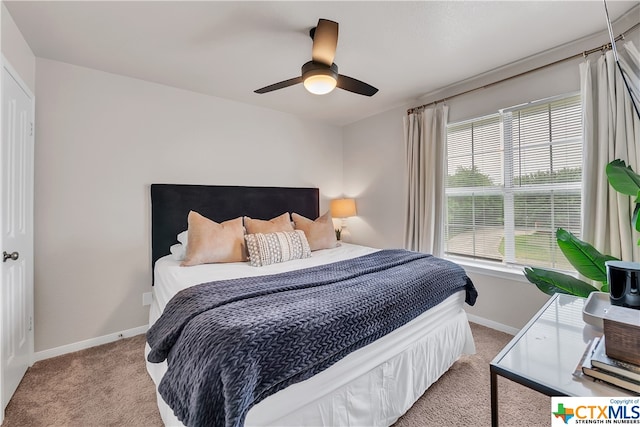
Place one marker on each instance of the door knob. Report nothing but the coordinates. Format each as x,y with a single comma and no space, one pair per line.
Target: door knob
13,256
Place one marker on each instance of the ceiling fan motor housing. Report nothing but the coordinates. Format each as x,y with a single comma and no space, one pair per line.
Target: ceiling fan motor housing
313,68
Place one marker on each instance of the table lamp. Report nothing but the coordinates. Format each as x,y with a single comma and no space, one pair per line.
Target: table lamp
343,209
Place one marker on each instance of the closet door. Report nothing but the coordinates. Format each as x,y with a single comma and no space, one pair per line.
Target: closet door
16,215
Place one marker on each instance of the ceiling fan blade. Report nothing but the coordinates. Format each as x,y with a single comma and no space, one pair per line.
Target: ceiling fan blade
280,85
355,86
325,41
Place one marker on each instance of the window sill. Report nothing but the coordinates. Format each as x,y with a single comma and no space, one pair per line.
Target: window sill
495,270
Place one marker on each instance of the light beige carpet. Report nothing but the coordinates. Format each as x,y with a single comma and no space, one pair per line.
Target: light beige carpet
109,386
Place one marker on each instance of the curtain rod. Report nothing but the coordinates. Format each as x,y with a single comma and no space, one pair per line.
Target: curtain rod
585,54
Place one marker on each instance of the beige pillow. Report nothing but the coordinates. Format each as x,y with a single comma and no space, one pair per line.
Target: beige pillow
274,225
320,233
210,242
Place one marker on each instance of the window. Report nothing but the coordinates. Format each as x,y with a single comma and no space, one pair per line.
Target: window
513,178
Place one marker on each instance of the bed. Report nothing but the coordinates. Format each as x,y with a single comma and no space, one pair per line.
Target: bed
372,385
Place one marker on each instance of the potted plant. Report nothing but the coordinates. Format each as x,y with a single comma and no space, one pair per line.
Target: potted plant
586,259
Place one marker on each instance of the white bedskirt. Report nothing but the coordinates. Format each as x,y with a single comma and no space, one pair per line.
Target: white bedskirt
372,386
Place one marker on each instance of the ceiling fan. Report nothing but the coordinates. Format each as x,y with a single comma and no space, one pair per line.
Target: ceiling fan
320,75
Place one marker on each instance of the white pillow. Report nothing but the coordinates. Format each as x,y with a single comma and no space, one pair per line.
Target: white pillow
178,251
183,237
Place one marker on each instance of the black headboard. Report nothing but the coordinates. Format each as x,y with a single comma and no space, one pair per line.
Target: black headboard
171,203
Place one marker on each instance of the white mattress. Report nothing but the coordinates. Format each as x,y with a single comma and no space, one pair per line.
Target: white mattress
372,386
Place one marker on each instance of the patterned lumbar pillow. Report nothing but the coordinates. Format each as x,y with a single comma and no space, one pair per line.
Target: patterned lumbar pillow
271,248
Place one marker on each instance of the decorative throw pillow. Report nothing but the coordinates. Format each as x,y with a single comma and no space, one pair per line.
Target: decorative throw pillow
271,248
178,251
211,242
320,233
279,223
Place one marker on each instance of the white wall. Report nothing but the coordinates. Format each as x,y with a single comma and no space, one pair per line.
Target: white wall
374,175
375,170
102,139
16,50
562,77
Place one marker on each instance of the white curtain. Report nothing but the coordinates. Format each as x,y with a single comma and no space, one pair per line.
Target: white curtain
425,136
631,70
611,131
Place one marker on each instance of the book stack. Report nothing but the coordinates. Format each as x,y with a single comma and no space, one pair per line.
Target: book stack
597,365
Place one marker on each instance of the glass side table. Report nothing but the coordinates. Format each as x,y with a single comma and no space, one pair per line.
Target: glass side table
546,352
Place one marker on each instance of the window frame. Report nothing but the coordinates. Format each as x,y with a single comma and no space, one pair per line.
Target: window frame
508,267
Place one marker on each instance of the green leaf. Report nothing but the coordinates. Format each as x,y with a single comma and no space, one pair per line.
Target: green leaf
604,288
622,178
636,218
585,258
551,282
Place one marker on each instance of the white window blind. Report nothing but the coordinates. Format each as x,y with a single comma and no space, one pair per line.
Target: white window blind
513,178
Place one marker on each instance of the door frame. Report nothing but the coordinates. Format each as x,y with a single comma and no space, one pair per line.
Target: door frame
6,65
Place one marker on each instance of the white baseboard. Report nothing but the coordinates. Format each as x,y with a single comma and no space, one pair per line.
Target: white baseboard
92,342
493,325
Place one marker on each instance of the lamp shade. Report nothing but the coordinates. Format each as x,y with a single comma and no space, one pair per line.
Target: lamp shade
343,208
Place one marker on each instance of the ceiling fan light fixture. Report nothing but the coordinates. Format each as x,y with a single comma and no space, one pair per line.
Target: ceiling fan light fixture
320,84
318,78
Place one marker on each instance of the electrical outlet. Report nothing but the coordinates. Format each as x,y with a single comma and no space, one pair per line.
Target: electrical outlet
147,298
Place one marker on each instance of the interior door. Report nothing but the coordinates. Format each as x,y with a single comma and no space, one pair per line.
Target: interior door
16,214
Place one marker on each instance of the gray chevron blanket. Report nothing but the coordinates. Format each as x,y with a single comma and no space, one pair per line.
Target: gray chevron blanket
229,344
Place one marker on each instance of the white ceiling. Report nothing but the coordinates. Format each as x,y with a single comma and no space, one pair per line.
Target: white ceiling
229,49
